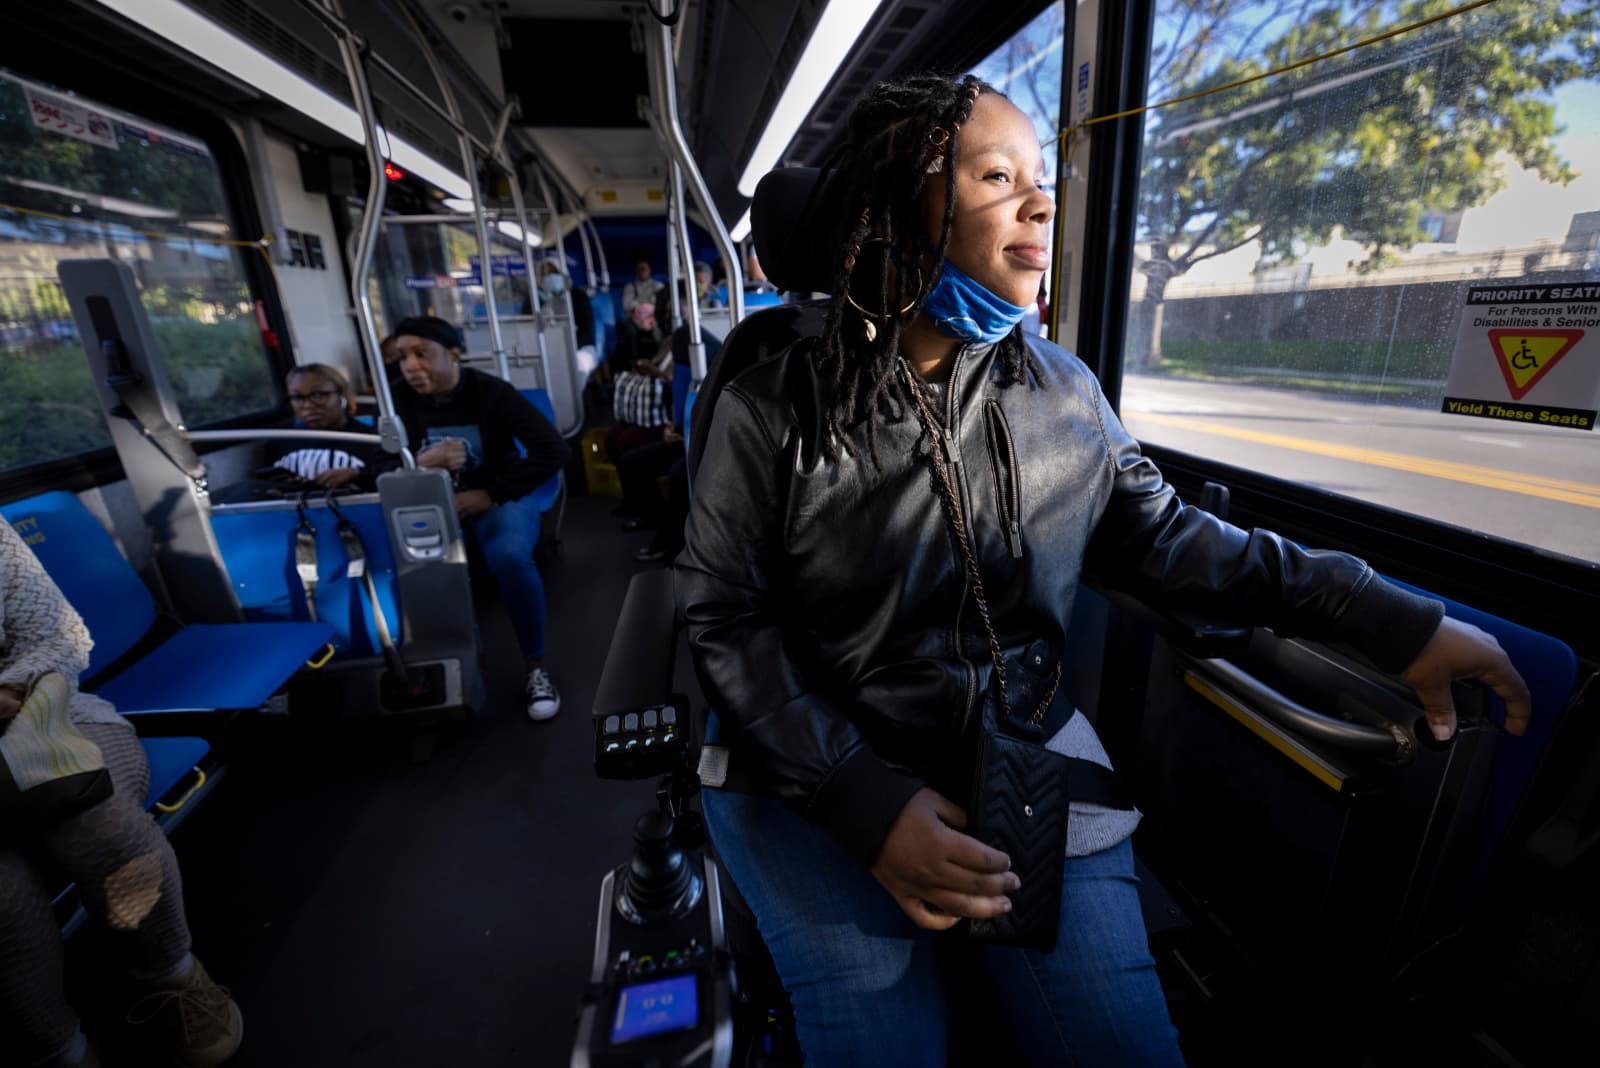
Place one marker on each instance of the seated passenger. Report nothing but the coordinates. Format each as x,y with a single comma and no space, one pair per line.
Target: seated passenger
321,399
391,360
637,333
469,424
641,407
640,468
864,604
553,282
703,288
755,279
112,849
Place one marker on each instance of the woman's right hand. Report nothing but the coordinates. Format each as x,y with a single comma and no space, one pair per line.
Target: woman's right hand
11,698
936,874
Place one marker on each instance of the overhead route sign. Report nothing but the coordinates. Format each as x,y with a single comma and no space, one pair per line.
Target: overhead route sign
1521,349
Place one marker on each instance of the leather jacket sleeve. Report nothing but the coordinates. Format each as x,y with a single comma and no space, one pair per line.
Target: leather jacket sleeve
1156,547
729,596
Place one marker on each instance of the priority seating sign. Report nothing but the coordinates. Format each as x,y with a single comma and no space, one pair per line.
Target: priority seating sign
1528,354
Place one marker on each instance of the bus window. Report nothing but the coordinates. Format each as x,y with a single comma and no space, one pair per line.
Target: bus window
79,179
1306,243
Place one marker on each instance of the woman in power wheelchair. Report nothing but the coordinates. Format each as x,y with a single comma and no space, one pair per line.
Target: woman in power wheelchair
889,526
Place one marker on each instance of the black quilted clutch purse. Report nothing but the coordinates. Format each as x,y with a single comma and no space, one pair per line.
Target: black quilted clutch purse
1020,807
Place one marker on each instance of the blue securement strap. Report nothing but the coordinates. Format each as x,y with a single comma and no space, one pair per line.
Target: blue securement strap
259,549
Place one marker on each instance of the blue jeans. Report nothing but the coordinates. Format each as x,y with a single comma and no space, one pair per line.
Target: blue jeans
506,535
866,982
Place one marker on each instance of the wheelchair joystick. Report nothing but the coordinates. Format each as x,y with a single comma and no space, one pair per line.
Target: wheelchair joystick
660,884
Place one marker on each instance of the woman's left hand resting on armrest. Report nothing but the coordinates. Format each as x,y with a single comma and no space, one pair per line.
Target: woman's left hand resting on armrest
1459,650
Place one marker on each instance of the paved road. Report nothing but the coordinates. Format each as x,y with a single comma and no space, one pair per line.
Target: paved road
1537,485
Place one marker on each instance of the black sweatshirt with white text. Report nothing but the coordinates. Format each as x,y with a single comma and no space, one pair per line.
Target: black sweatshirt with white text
490,417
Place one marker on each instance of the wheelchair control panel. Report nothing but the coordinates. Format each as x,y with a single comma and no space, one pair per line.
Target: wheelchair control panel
661,985
642,743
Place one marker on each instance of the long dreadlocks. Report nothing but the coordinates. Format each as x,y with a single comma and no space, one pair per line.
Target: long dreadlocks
901,134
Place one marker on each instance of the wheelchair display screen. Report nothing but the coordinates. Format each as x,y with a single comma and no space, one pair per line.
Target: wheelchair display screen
646,1009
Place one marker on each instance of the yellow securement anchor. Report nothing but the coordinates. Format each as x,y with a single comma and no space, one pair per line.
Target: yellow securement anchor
322,658
199,781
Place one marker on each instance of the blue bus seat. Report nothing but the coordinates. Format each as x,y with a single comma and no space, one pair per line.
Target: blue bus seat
200,667
545,495
1550,668
258,547
605,322
170,760
752,301
682,379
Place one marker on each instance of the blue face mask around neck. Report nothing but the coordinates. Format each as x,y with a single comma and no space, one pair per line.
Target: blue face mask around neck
961,308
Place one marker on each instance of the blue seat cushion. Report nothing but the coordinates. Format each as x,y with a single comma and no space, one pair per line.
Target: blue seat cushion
216,666
170,760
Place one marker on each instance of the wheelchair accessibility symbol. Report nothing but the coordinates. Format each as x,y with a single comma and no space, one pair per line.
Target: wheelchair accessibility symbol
1526,356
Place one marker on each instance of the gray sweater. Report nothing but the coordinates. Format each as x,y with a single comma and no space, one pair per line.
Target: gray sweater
40,632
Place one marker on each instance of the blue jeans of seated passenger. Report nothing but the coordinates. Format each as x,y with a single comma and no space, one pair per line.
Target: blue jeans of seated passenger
866,982
506,535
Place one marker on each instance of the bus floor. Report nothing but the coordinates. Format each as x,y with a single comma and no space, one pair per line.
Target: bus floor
368,911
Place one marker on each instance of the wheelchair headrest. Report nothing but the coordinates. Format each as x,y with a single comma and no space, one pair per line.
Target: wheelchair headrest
792,219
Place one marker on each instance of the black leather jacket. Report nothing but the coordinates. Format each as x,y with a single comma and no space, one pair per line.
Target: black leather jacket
827,605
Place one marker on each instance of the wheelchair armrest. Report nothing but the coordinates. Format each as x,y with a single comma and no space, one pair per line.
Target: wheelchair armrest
638,669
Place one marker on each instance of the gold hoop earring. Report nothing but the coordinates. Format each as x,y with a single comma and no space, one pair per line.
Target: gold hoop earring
868,317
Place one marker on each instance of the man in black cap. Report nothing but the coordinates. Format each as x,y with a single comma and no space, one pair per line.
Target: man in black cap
470,424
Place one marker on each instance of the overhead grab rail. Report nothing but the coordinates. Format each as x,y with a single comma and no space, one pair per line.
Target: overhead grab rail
691,301
389,430
469,163
566,297
514,180
657,39
335,22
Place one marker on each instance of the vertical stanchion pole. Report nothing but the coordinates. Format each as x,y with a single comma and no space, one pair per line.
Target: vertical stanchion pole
389,430
664,94
697,345
470,163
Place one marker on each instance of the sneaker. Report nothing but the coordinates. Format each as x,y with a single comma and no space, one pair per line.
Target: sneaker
543,700
195,1021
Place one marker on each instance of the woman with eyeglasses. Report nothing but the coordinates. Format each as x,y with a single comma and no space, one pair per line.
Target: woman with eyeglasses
321,399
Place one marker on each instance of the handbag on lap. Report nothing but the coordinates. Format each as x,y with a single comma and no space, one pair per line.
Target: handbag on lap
48,767
1022,791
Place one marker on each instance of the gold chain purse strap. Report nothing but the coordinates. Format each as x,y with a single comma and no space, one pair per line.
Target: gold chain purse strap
952,505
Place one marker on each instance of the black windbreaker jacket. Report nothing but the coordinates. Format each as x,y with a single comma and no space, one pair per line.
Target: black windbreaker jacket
827,605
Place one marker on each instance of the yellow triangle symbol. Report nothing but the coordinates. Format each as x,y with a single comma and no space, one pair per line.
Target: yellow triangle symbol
1524,356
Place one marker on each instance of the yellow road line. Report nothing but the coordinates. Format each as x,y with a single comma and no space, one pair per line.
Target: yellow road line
1586,495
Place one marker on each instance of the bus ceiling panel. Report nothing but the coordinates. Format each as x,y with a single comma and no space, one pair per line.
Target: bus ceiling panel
292,36
753,46
579,73
111,57
591,160
906,37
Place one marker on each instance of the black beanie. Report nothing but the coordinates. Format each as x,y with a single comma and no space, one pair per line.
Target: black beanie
431,327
